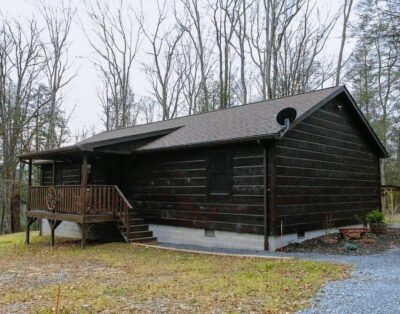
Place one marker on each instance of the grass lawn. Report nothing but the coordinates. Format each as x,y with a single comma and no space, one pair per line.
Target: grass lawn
121,278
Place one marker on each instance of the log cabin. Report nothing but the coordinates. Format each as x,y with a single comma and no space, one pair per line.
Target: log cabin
256,176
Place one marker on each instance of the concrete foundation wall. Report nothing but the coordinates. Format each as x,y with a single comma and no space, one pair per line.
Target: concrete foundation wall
106,232
192,236
66,229
221,239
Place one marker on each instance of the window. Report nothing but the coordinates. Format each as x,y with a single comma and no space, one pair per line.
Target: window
220,173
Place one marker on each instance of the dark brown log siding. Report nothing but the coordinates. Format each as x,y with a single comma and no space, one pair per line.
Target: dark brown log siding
172,189
66,174
325,167
102,172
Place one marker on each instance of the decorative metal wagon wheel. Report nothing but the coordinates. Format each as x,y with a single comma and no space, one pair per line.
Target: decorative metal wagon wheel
51,198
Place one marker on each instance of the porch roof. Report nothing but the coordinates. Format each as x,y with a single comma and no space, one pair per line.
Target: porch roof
73,152
52,153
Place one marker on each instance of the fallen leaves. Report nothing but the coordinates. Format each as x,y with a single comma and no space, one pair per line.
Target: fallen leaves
114,278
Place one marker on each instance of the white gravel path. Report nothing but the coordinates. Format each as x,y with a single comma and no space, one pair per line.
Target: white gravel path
374,286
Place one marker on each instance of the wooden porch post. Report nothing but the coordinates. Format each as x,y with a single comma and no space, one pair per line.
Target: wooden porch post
84,182
85,227
52,234
53,226
54,172
30,172
30,220
29,183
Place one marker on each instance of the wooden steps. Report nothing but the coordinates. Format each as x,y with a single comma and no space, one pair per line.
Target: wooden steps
138,230
143,227
140,234
144,240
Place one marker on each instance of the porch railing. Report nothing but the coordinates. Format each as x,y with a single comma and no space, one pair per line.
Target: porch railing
76,199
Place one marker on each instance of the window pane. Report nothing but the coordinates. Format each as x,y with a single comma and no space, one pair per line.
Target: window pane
220,182
219,162
219,172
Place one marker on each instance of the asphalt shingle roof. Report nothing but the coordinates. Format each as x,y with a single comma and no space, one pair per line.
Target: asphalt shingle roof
250,121
241,122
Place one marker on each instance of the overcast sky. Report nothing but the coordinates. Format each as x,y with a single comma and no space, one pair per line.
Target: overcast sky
82,92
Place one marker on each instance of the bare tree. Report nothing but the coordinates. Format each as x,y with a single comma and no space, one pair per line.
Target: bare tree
147,107
105,98
115,39
270,21
373,74
84,133
166,83
189,69
196,30
346,15
299,65
225,18
386,76
35,135
20,67
242,8
58,24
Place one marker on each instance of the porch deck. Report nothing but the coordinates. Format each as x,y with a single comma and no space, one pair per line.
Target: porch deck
84,205
78,218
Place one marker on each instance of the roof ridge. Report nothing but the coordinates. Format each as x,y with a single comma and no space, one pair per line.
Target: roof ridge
218,110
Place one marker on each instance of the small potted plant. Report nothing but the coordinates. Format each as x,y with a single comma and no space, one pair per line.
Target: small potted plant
376,220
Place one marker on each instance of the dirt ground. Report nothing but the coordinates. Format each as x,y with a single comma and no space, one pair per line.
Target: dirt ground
334,244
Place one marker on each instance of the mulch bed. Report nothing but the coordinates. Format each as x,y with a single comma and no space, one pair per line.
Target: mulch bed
334,244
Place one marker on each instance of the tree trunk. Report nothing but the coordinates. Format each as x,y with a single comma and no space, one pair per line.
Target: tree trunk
346,14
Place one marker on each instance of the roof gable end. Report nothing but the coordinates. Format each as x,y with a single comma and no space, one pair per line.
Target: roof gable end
342,90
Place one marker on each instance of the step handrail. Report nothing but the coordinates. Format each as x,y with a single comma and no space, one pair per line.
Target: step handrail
123,213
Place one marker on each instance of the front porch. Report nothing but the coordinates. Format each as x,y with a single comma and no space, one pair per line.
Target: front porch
85,203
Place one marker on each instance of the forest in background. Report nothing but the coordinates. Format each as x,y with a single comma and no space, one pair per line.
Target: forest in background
200,55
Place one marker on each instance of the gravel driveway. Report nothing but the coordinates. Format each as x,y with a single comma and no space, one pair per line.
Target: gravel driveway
374,286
